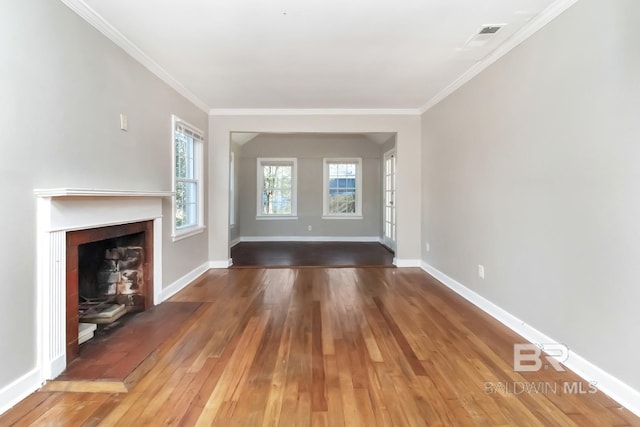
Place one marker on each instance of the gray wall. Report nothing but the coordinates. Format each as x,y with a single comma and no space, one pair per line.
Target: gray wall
532,170
310,149
63,87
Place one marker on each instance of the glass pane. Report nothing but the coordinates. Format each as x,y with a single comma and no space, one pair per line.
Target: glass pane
185,156
186,204
180,203
350,202
190,158
277,189
334,203
181,160
342,202
276,202
265,201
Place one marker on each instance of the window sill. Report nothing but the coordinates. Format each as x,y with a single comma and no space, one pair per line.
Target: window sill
188,232
342,217
276,217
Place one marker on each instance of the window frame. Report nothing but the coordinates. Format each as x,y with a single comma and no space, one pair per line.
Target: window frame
178,233
325,187
260,162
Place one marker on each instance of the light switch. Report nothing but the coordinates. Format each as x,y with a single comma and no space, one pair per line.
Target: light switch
124,122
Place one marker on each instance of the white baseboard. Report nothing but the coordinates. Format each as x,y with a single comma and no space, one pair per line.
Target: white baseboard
404,262
56,366
183,282
309,239
606,383
13,393
221,263
234,242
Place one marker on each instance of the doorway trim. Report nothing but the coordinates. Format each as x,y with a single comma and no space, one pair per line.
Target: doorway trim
389,207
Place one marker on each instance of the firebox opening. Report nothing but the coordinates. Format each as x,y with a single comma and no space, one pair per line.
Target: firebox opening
111,278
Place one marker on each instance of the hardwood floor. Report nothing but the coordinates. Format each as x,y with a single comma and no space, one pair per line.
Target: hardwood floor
305,254
330,347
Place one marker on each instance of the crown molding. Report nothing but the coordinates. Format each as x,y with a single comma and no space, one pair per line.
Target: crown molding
98,22
313,112
547,15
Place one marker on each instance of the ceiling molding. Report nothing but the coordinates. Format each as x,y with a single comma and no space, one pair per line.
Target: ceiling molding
242,138
379,138
548,15
314,112
94,19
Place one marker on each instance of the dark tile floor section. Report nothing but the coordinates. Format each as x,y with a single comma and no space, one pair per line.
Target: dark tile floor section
308,254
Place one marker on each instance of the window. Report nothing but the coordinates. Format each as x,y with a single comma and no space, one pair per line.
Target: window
342,195
276,188
187,180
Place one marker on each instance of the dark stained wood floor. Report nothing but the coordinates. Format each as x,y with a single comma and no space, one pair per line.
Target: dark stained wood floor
303,254
329,347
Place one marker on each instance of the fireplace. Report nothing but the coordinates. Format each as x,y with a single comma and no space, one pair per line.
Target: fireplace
109,274
64,212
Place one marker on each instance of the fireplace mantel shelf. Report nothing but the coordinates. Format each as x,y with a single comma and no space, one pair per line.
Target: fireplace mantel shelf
91,192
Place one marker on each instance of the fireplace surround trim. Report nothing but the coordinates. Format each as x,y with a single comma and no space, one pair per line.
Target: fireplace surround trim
62,210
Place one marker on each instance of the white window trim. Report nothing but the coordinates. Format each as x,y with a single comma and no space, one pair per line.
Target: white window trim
199,227
294,188
325,188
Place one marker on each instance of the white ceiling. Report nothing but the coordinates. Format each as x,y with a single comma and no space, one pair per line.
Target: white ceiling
310,54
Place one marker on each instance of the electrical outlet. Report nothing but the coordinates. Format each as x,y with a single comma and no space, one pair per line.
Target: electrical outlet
428,246
481,271
309,228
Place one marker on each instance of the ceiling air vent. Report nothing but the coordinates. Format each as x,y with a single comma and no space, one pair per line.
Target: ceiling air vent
486,33
489,29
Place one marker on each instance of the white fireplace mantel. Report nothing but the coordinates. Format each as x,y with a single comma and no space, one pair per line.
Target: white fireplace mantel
92,192
60,210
